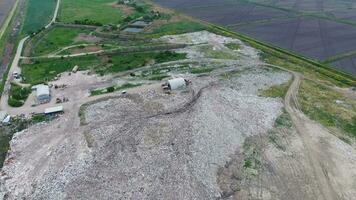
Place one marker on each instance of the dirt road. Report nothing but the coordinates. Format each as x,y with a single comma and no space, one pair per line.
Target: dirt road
305,129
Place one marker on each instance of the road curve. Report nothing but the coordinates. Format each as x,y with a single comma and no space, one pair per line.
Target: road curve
302,124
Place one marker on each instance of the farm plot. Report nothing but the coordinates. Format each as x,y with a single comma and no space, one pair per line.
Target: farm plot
315,38
227,12
5,7
315,29
38,14
346,64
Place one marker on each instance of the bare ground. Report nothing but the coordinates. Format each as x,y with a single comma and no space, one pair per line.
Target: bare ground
192,144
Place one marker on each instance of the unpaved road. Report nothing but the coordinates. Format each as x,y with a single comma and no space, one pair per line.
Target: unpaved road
330,187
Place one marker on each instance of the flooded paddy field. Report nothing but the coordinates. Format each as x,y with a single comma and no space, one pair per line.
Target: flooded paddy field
317,29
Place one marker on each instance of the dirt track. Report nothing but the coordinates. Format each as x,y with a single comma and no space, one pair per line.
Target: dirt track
300,122
326,171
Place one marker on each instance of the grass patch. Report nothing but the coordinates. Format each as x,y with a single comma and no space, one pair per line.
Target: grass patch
252,156
119,63
282,125
18,95
112,89
44,70
233,46
201,70
276,91
57,38
158,77
328,107
283,121
38,14
210,52
180,27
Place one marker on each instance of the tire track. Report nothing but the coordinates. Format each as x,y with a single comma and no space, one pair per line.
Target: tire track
300,121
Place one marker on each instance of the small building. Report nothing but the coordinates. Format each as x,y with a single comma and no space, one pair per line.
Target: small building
177,83
53,110
42,93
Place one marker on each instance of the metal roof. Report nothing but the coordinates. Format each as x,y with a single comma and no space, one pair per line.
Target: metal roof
42,90
177,83
54,110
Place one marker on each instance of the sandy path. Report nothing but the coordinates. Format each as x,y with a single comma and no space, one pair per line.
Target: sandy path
305,129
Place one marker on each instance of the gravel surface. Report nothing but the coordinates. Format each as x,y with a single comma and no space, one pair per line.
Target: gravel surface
147,144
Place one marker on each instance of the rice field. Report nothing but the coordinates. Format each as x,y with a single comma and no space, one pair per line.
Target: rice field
316,29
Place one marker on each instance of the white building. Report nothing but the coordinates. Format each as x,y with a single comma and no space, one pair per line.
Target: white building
42,94
177,83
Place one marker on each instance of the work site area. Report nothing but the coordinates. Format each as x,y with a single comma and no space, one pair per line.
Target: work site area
130,100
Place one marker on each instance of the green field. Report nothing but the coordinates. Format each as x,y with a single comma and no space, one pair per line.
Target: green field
43,70
180,27
96,11
38,14
57,38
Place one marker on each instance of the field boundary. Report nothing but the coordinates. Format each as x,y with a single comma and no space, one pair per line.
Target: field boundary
8,19
318,66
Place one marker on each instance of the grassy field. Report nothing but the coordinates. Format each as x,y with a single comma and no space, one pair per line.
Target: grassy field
43,70
180,27
38,14
328,107
112,89
57,38
97,11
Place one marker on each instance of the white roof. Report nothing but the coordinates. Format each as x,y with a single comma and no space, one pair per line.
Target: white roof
54,109
177,83
7,119
42,90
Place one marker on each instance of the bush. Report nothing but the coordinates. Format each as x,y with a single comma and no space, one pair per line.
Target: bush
15,103
110,89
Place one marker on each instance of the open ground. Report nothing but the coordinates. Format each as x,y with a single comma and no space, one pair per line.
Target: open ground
251,124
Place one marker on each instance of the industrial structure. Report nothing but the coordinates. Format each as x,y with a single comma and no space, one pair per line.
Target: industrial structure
177,83
43,94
